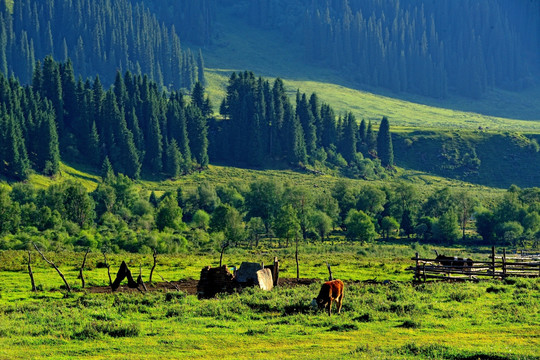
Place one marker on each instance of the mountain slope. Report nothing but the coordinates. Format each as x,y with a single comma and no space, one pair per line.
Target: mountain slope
239,46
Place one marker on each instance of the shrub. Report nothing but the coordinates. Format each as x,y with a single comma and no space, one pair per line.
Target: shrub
343,327
410,324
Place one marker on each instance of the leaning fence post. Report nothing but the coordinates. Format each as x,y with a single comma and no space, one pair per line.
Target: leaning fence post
504,263
424,271
493,260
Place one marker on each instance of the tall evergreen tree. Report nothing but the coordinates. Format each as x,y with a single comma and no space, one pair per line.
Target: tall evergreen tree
307,120
197,132
348,147
385,149
48,153
15,163
371,139
329,131
200,69
174,159
52,90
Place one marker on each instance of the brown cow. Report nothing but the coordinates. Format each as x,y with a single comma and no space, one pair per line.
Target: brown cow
330,291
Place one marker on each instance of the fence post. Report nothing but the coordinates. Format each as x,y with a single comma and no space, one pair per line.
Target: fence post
417,271
424,271
493,260
504,263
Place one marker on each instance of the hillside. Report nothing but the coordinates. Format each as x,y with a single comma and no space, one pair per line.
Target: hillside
239,46
148,136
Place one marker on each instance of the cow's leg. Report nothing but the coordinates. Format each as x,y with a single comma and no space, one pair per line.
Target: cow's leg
330,307
339,303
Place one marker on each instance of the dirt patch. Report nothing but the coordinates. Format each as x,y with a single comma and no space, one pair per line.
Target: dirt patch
189,286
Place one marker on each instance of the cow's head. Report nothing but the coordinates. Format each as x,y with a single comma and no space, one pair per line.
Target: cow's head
318,303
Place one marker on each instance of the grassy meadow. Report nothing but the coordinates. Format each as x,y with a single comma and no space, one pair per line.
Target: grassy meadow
384,315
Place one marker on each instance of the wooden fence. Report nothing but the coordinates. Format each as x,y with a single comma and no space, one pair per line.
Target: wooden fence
522,265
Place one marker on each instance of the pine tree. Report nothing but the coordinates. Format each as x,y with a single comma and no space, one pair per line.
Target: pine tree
52,90
315,109
200,101
93,148
329,131
174,159
128,155
37,78
69,94
200,69
107,172
48,153
198,135
362,132
15,159
385,149
371,140
307,120
348,147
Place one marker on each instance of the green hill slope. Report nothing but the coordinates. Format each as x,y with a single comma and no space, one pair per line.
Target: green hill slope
241,47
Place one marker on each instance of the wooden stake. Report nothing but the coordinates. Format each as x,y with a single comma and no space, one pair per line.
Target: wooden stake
504,263
54,266
275,274
493,260
81,275
223,247
330,277
140,280
30,271
296,255
417,271
108,267
153,266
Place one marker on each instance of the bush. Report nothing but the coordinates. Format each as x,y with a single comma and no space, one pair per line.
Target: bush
344,327
410,324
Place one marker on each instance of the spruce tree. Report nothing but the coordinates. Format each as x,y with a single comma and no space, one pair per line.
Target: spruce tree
329,131
15,158
69,94
348,148
52,90
198,135
371,140
174,159
92,146
385,149
107,172
200,69
317,119
50,152
362,132
307,120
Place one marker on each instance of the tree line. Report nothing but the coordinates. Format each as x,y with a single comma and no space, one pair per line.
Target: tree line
424,47
100,36
260,125
137,129
119,217
133,127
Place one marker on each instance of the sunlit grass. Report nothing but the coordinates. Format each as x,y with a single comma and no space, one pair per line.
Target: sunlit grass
392,320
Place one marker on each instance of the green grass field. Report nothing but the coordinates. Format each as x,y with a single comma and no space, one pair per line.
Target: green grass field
394,320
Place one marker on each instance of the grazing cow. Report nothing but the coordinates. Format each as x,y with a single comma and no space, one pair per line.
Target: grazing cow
464,264
330,291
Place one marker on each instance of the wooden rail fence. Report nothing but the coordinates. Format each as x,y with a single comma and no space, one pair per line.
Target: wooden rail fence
523,265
